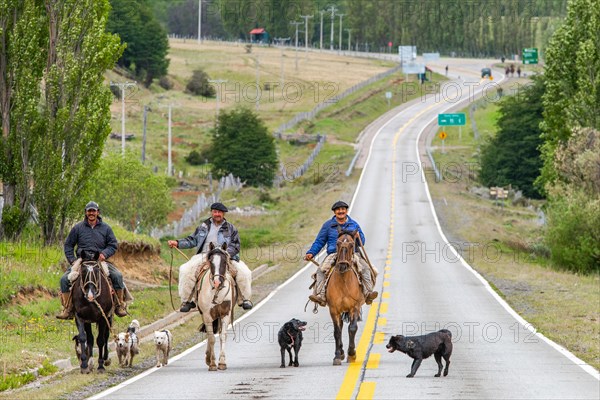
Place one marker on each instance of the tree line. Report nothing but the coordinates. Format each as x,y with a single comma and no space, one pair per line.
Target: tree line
479,28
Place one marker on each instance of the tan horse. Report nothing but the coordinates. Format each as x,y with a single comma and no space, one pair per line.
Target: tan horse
216,296
344,296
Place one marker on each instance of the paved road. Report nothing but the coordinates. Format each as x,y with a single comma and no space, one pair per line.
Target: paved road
424,287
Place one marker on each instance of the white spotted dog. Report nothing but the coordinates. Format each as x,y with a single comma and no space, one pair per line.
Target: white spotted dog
127,344
163,340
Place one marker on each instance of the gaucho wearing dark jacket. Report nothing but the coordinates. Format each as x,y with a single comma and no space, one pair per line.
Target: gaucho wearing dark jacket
98,238
227,233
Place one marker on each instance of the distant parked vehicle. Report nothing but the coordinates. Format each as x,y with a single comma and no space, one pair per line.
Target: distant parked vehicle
486,72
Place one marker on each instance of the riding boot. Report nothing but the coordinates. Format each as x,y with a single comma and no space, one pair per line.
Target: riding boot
368,286
318,295
67,311
121,307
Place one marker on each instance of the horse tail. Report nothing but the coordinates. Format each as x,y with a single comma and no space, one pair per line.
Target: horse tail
347,317
216,325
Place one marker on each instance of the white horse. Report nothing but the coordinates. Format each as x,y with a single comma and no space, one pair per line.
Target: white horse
216,296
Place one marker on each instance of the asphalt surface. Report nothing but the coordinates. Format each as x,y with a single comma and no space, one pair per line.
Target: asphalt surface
424,287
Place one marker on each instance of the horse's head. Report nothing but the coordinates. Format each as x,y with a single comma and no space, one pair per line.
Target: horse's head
218,259
345,249
90,279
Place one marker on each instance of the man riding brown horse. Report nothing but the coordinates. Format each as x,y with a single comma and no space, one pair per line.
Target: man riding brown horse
328,235
95,236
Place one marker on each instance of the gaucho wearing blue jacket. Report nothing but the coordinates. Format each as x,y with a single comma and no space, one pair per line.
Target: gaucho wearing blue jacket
328,236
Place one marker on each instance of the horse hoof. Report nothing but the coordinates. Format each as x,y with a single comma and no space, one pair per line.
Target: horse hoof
337,361
212,368
222,367
101,370
85,370
351,359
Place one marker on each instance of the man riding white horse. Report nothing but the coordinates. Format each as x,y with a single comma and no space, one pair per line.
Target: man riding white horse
215,230
328,236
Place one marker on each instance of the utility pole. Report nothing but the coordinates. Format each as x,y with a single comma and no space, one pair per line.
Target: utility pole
146,109
296,23
349,39
123,86
306,17
218,82
280,41
333,10
170,160
199,21
258,91
321,32
341,15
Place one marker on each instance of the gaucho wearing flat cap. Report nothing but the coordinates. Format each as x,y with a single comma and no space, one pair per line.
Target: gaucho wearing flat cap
216,230
327,237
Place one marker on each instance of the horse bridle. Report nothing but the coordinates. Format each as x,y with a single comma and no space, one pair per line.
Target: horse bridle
95,280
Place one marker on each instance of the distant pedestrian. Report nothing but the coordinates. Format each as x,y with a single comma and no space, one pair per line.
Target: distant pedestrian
512,70
446,70
519,71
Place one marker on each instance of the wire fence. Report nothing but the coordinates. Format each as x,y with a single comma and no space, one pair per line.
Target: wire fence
285,175
192,214
308,115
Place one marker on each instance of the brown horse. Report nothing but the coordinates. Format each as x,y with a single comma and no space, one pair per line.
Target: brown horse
344,296
93,302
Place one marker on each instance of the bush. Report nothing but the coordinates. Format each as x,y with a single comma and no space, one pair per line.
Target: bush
165,83
194,158
573,232
199,85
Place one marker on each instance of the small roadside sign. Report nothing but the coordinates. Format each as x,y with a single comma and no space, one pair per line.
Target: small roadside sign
530,56
443,135
459,119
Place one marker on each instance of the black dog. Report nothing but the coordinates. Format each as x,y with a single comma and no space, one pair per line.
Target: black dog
290,336
420,347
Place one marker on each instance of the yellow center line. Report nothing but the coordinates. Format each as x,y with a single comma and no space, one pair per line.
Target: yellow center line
366,390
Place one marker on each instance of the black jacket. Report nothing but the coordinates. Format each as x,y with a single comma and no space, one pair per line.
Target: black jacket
99,238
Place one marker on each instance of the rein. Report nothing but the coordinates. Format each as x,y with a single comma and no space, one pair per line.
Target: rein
99,278
171,275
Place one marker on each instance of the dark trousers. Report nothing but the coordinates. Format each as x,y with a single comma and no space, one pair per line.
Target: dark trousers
115,275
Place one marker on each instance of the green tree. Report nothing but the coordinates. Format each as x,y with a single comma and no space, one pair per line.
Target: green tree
199,84
23,37
75,109
573,230
512,156
131,193
146,39
242,146
572,75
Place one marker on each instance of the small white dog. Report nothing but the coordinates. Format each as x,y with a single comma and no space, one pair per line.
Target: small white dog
127,344
163,340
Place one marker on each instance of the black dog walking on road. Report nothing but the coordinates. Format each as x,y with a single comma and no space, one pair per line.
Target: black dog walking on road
420,347
290,336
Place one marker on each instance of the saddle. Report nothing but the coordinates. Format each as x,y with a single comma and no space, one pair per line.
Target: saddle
76,272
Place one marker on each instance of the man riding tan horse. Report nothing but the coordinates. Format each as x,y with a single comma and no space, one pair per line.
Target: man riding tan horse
97,237
328,236
216,230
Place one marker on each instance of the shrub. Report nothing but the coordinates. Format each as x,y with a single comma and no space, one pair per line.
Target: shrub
194,158
165,83
199,85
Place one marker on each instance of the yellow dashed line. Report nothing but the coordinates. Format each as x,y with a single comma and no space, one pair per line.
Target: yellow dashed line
366,391
386,284
383,308
379,337
373,360
385,295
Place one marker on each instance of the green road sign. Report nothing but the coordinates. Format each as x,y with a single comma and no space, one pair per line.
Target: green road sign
452,119
530,56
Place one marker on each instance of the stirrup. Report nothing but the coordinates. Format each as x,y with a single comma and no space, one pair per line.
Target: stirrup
370,297
187,306
66,314
318,299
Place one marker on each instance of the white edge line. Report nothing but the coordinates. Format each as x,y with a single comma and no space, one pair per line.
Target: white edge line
527,325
